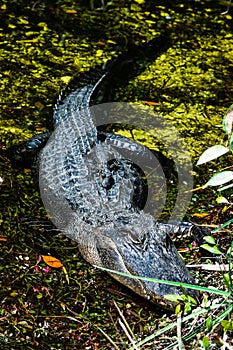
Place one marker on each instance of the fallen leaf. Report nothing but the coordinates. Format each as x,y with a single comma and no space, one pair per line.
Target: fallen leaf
71,12
52,262
200,215
151,103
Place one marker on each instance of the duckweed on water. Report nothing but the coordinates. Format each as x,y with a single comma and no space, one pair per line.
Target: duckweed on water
43,44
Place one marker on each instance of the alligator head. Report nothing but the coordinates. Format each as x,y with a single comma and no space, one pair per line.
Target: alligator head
138,245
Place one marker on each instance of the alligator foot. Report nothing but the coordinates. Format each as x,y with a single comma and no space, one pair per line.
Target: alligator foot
179,229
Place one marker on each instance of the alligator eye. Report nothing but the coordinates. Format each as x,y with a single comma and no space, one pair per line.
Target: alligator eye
136,239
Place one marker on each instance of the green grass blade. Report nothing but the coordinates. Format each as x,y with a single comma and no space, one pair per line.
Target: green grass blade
171,283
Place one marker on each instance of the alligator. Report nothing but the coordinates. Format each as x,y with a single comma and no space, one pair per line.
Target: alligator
96,197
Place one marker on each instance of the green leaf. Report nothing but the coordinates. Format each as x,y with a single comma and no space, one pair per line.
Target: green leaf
210,239
14,293
220,178
212,153
227,280
187,308
205,342
209,324
228,120
222,200
227,325
177,309
229,253
212,249
173,297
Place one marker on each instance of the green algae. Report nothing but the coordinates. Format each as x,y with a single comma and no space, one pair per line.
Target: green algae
42,46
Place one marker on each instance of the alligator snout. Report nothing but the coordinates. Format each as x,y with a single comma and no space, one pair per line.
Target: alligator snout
146,251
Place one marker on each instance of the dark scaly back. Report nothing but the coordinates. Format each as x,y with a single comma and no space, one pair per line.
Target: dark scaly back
77,94
72,103
64,168
72,112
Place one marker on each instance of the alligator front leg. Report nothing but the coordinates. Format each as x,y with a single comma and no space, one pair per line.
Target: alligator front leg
177,229
23,155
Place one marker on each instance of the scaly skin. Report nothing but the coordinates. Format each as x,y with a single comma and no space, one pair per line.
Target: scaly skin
90,198
96,197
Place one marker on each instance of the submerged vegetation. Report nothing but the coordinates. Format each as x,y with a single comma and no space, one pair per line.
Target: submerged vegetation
66,303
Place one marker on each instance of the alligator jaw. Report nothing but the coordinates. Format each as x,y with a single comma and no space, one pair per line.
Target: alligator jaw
148,252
